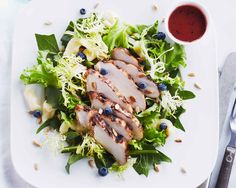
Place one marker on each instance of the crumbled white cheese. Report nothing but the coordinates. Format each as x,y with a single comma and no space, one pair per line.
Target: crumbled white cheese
54,142
170,103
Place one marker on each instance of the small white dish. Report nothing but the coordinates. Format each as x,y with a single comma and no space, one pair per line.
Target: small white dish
201,7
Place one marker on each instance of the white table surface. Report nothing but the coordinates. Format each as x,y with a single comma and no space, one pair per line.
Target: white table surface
223,14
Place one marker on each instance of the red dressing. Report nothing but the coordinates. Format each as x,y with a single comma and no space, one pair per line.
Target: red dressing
187,23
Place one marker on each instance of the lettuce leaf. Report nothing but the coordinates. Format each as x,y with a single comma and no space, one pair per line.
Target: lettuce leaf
175,58
150,116
53,123
66,37
117,37
43,73
155,137
47,42
185,94
147,158
73,158
175,120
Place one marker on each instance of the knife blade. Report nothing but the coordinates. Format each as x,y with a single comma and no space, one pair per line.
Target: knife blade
227,162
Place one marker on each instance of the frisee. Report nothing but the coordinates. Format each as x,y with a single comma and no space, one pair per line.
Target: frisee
67,69
89,147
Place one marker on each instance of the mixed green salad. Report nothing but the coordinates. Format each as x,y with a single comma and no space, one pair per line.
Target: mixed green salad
99,124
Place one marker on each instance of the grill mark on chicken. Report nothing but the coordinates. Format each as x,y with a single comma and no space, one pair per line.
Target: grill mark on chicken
83,117
134,125
110,140
107,87
119,125
132,99
151,89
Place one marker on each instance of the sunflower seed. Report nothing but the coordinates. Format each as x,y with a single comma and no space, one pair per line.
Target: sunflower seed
196,85
96,6
48,23
91,163
156,167
36,167
191,74
178,140
183,170
35,143
155,7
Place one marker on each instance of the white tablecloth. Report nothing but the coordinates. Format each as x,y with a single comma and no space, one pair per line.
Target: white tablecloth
223,14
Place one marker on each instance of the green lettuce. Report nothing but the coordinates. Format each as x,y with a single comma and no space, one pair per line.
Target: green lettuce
117,37
47,42
43,73
147,158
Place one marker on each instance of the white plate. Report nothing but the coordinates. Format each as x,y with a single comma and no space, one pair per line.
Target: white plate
196,154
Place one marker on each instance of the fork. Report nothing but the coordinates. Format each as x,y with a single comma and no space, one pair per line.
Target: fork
227,163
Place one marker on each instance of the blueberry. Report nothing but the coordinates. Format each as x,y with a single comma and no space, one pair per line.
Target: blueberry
163,126
81,54
162,87
142,85
142,63
102,171
82,11
118,138
160,36
108,111
103,71
37,113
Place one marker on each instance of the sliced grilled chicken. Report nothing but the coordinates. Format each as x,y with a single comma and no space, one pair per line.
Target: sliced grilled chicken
147,86
83,117
131,120
123,83
110,139
124,55
119,125
97,82
99,101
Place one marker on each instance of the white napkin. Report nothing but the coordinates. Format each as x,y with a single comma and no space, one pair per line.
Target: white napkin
226,85
8,177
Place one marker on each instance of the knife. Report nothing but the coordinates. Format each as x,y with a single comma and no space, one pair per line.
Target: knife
226,84
228,159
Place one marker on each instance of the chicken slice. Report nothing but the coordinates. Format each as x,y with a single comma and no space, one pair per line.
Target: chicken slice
97,82
99,101
147,86
124,55
83,116
119,125
124,84
110,139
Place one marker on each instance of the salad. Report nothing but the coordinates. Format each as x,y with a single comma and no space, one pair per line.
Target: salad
113,93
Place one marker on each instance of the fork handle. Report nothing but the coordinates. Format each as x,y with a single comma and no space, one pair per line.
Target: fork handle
226,167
